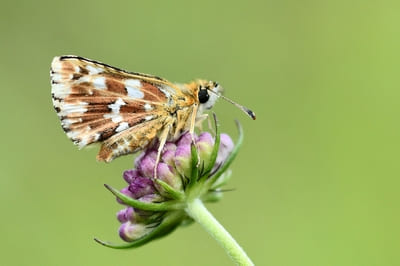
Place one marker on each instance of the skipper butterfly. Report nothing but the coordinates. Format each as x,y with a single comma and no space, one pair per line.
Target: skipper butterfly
125,111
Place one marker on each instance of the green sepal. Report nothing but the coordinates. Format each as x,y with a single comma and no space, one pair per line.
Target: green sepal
194,170
146,206
222,180
175,194
214,154
212,196
168,224
229,160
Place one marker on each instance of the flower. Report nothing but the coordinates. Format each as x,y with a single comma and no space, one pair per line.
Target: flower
187,171
174,169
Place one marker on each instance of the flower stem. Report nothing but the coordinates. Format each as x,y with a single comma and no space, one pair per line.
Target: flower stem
200,214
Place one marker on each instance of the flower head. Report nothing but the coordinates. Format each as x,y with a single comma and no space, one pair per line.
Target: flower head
186,171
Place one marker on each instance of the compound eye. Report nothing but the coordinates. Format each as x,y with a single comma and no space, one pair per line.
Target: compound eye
203,95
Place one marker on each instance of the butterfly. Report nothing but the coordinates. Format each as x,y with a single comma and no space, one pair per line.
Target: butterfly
125,111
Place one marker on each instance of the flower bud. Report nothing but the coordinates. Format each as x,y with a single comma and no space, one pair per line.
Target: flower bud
225,148
126,192
168,174
151,198
185,139
168,153
125,215
146,165
205,144
130,175
183,159
132,231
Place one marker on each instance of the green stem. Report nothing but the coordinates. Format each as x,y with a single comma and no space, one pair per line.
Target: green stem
200,214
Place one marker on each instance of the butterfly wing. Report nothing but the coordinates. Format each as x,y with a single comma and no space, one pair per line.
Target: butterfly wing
100,103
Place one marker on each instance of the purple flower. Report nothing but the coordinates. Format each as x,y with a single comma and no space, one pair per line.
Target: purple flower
141,186
126,215
172,184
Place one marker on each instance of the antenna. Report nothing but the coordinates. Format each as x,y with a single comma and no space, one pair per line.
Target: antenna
241,107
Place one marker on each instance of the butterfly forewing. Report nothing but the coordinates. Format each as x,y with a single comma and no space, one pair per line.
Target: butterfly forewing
96,102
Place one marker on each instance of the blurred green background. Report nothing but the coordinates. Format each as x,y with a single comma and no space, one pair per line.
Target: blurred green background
316,182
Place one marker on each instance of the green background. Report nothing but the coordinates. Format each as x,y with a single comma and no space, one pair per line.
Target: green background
317,179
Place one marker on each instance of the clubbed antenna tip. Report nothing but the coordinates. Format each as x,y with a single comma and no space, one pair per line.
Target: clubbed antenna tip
251,113
241,107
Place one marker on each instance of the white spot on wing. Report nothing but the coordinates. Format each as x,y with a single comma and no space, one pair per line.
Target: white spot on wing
99,83
61,77
85,79
122,126
72,134
133,83
56,77
68,121
115,106
68,108
116,118
133,88
122,147
148,117
60,90
94,70
84,141
148,107
135,93
167,94
56,65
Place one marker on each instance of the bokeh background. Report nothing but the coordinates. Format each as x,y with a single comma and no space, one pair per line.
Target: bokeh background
317,179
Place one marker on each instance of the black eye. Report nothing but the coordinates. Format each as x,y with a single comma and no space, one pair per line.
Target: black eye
203,96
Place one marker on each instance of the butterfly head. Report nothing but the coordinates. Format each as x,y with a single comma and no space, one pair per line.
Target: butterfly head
207,93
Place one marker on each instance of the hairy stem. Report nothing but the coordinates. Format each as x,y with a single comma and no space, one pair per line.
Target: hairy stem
200,214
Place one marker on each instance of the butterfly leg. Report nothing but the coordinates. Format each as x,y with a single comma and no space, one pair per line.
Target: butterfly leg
162,138
199,121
